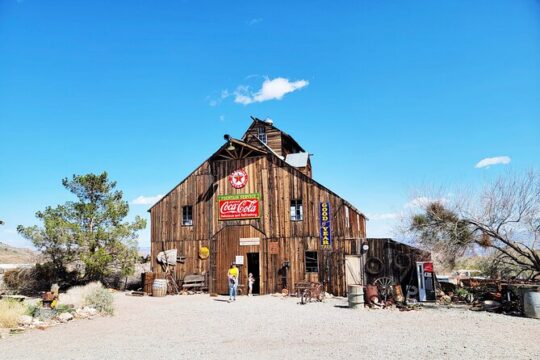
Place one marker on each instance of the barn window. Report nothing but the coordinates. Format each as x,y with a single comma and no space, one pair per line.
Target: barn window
297,213
187,215
261,134
312,263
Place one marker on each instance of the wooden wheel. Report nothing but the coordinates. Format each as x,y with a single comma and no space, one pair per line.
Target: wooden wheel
306,297
384,285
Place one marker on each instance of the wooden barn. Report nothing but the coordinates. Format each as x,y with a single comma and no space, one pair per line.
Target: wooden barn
254,202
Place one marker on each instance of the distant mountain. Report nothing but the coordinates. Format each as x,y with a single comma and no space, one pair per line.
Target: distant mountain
14,255
144,251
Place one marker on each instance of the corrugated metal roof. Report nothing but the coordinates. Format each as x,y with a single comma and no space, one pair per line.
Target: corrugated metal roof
297,160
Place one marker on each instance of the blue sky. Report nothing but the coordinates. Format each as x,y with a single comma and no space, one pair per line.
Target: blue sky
389,96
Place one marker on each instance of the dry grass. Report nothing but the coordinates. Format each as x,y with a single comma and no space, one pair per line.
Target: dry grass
10,313
77,295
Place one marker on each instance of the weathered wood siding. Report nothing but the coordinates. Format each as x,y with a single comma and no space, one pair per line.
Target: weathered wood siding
278,184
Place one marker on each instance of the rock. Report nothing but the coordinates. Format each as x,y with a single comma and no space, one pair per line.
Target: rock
90,310
65,317
37,322
25,320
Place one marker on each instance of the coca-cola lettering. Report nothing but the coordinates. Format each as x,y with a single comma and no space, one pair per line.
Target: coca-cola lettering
244,206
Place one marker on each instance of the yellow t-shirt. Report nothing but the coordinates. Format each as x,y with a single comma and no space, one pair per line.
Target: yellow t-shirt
233,272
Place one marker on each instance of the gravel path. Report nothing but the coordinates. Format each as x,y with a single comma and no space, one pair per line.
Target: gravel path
269,327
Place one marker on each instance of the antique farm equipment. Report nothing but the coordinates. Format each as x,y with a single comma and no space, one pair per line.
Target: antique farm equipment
314,293
355,295
385,287
159,287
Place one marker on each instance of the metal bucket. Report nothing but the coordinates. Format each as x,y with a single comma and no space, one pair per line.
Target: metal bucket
355,295
159,287
531,304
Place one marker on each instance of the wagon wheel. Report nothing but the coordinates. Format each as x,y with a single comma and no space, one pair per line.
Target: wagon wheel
306,296
322,294
384,284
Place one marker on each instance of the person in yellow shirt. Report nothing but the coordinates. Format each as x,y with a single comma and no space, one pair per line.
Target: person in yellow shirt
232,275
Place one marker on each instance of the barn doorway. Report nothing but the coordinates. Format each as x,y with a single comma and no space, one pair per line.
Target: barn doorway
253,267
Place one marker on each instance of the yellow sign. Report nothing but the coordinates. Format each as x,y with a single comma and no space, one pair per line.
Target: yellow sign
204,252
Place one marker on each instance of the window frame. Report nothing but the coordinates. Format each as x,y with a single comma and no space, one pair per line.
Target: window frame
187,220
298,207
315,259
261,134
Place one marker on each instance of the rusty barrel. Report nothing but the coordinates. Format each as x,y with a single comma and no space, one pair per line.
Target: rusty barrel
355,296
159,287
147,280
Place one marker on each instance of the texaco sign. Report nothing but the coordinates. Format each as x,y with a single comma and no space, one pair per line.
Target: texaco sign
238,178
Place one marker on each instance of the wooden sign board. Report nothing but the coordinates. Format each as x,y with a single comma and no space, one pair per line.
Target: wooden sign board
250,241
239,260
273,247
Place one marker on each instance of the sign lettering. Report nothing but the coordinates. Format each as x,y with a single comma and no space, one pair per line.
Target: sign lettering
236,207
326,237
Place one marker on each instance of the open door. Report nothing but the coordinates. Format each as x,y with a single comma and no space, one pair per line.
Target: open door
254,268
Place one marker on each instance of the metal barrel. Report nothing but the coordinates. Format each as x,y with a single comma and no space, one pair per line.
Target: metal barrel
531,304
159,287
355,296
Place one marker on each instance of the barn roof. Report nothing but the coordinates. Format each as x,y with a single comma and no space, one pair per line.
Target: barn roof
240,143
257,122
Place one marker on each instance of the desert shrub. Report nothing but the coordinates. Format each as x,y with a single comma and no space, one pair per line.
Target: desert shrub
76,295
100,299
31,281
10,313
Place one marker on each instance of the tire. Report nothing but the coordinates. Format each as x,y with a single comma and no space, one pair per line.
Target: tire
374,266
402,261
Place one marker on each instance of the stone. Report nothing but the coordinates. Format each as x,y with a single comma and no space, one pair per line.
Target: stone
65,317
26,320
90,310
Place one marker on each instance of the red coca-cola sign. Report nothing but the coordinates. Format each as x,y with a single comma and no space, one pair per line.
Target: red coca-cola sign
241,206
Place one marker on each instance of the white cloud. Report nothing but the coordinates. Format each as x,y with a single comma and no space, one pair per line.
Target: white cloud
221,118
386,216
254,21
146,200
422,201
498,160
271,89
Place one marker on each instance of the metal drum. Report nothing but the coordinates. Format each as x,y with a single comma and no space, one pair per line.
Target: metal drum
159,287
355,295
531,304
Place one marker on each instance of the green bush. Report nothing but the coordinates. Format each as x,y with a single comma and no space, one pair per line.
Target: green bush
100,299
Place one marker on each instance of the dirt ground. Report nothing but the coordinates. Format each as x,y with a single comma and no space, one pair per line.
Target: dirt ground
269,327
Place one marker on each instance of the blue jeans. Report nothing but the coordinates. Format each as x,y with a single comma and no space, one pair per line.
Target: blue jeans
232,289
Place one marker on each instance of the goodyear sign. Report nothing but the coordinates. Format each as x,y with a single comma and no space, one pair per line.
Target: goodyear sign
326,237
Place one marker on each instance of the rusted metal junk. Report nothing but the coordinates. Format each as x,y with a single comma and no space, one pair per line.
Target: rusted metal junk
147,280
372,294
355,296
398,293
